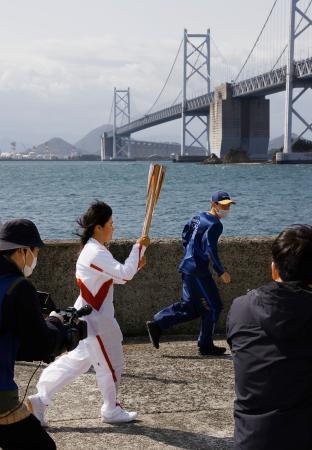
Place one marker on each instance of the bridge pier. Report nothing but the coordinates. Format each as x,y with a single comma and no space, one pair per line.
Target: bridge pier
239,123
106,147
120,146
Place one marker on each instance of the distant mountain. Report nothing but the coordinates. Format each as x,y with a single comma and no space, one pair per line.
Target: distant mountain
90,144
278,142
58,147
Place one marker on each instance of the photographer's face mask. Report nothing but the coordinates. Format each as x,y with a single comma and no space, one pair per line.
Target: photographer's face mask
28,270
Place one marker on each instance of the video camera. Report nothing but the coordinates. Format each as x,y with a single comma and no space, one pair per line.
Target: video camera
75,329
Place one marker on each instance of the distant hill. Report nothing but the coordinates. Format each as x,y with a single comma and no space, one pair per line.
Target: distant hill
278,142
90,144
58,147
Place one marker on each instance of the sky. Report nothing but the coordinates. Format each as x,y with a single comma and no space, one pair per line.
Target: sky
60,60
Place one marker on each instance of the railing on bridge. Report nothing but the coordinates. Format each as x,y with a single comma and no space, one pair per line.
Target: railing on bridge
303,68
164,115
272,81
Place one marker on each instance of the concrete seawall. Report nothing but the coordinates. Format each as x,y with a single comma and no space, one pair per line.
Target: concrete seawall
159,283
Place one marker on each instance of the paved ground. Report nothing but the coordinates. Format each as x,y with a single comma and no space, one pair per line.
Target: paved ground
184,401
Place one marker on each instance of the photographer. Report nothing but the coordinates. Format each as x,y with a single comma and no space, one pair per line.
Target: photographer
269,331
24,334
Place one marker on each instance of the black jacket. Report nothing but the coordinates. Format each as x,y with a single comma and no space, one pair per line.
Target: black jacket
269,331
22,317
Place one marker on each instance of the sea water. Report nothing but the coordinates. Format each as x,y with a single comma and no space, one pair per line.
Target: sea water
55,193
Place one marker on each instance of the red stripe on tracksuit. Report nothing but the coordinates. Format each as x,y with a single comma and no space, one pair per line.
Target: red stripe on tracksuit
140,251
96,301
96,267
106,357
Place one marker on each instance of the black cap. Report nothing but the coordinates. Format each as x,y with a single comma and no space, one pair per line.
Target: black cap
19,233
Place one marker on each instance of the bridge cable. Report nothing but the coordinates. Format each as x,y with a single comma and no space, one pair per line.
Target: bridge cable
222,56
167,79
285,48
257,40
217,48
173,103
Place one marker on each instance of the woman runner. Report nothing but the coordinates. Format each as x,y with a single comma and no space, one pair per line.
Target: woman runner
96,271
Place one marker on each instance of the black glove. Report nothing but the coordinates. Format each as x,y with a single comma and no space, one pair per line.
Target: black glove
74,333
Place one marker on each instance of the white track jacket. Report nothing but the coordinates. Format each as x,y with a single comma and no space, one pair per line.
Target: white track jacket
97,271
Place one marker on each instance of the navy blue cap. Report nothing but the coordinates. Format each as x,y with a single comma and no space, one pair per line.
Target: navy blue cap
222,197
19,233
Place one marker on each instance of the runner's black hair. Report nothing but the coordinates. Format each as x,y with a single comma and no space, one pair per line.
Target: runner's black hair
98,213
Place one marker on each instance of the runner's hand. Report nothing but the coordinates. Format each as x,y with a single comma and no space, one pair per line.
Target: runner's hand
226,278
144,240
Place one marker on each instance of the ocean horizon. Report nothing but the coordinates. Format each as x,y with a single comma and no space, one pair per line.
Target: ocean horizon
269,197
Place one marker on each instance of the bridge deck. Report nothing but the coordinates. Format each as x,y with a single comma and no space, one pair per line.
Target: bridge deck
261,85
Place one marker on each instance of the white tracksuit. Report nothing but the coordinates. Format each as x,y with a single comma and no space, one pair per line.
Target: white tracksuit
96,273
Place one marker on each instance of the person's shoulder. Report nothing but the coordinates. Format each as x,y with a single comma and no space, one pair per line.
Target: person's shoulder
243,305
195,218
91,249
206,215
24,285
211,222
22,294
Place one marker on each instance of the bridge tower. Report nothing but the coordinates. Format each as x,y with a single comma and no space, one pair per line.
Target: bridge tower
295,14
195,45
121,108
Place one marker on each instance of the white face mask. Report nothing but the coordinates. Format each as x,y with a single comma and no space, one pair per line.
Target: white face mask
28,270
223,213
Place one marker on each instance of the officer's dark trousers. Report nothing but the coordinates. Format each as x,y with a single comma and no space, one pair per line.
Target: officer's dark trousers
200,298
27,434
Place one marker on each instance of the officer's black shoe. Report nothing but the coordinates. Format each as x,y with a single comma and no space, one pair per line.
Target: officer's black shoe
154,333
212,351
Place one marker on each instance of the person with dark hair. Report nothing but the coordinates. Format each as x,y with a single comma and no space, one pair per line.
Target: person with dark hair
23,331
200,294
269,331
97,271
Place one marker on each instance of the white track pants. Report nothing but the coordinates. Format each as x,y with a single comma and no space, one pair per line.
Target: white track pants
103,353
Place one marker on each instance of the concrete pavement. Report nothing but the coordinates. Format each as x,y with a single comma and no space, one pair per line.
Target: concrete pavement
184,401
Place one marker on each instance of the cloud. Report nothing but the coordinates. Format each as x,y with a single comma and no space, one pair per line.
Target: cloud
65,86
62,66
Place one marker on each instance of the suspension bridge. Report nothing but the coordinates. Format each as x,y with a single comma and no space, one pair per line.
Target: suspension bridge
231,113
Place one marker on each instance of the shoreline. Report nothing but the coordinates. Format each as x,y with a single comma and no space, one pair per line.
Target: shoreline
134,160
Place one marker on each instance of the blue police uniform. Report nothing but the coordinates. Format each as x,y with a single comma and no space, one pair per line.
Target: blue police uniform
200,295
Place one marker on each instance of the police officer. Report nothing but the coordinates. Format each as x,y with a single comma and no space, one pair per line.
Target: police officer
23,331
200,295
